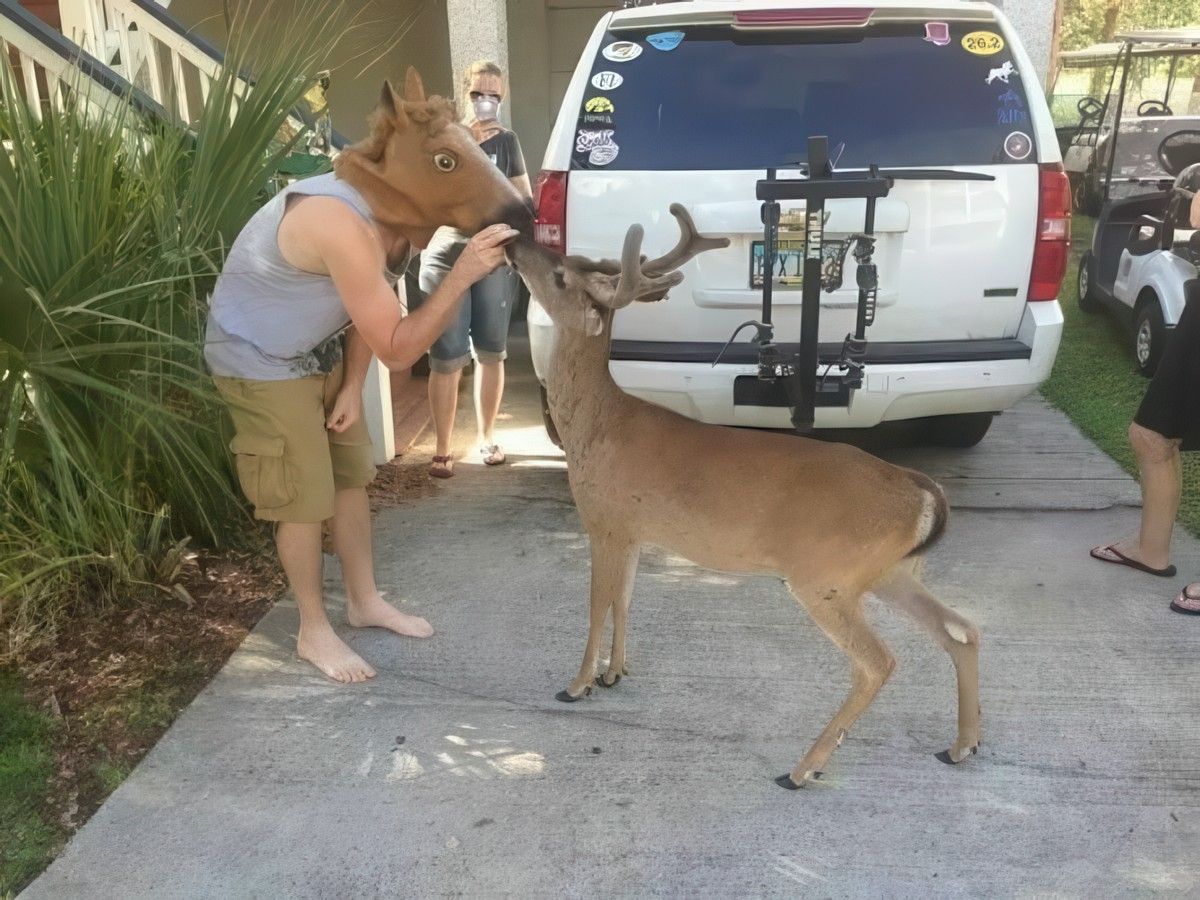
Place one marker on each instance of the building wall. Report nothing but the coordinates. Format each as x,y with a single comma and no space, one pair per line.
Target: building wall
354,90
1034,21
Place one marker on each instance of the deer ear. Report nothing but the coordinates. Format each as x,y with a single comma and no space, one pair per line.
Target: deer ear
593,322
414,87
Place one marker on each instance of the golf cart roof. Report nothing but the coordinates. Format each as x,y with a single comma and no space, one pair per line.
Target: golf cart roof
1160,42
1167,39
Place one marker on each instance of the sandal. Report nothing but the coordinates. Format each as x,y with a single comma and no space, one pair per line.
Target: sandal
1110,554
1188,604
442,467
492,455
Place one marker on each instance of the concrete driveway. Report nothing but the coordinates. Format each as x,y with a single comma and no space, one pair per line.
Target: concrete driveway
456,773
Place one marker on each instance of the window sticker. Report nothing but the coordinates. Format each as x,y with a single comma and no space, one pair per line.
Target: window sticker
1002,72
666,40
598,145
937,33
599,105
607,81
1018,145
622,51
983,43
1011,110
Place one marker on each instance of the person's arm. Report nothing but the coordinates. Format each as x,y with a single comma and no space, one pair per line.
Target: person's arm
349,251
1194,213
347,407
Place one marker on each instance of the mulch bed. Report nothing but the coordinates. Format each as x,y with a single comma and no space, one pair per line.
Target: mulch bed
116,679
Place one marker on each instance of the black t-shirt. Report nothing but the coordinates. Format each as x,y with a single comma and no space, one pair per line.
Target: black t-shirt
505,151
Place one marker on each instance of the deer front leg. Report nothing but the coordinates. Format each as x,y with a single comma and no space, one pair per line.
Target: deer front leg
613,563
616,662
840,615
958,636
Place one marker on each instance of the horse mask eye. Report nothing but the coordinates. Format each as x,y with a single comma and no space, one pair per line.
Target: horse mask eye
445,162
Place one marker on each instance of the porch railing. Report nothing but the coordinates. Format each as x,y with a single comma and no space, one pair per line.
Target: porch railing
50,67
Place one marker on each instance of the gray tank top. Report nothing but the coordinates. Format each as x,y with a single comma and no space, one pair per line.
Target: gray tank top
267,319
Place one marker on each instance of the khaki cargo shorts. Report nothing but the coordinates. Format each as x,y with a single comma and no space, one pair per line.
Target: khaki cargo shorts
288,463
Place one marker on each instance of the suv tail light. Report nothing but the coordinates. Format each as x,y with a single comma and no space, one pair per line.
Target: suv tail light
1054,232
550,203
810,17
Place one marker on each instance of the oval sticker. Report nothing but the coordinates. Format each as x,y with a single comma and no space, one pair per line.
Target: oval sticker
622,51
983,43
607,81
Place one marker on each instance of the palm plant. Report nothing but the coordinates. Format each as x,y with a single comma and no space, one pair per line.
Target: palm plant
113,228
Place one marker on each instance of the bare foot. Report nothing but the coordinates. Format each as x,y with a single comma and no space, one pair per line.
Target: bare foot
329,653
375,612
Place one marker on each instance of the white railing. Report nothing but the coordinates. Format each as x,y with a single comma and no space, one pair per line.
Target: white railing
49,68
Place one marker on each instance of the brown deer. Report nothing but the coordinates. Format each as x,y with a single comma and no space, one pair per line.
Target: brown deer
641,474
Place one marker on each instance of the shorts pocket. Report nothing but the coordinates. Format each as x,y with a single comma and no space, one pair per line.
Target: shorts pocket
263,472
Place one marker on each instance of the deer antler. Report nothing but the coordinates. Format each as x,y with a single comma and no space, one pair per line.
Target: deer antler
690,244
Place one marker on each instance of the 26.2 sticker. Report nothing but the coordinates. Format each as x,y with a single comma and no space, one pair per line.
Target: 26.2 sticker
983,43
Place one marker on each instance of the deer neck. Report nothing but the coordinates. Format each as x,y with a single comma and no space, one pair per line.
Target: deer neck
580,388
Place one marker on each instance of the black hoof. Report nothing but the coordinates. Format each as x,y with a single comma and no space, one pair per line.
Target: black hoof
564,697
785,781
604,684
945,757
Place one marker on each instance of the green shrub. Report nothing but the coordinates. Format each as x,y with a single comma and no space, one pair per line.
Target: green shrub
113,228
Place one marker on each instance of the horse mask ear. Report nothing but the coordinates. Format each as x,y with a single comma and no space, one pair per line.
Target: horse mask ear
392,105
414,88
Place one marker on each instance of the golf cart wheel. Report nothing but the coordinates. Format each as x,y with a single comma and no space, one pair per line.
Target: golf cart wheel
963,430
1149,335
547,420
1088,301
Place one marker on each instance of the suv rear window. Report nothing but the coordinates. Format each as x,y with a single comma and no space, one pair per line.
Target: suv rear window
895,94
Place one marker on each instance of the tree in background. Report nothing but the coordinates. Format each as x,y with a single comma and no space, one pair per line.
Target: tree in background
1087,22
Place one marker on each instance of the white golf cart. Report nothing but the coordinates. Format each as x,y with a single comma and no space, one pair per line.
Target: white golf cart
1142,249
1147,80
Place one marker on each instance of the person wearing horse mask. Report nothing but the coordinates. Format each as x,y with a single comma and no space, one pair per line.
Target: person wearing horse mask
480,329
306,296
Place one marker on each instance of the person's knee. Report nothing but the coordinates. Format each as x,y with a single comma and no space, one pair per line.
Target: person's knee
1150,446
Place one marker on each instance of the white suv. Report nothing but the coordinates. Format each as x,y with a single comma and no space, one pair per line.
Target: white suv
692,102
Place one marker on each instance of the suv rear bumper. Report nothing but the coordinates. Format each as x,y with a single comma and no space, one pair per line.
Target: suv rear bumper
906,380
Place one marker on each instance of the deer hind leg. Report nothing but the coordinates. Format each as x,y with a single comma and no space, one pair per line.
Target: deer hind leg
957,635
839,613
620,612
614,561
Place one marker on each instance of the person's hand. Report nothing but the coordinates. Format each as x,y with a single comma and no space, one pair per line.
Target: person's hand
347,409
484,253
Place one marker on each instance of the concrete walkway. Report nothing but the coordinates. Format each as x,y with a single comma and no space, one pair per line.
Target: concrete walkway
455,772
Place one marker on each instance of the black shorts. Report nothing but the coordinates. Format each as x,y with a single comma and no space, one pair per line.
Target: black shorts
1171,406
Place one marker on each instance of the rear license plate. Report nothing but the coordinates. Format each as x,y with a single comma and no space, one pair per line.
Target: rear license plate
789,262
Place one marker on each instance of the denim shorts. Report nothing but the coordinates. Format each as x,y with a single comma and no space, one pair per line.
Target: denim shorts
481,325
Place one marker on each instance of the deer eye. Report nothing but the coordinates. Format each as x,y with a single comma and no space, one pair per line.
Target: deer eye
445,162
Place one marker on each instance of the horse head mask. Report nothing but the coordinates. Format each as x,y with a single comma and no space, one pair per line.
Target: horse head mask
419,169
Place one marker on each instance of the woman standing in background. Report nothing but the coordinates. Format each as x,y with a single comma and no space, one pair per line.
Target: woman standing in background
481,328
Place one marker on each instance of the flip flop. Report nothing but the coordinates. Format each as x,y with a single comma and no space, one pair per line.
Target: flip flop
1186,603
442,467
492,455
1117,558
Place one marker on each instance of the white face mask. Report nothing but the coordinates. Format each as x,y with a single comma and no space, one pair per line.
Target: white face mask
486,109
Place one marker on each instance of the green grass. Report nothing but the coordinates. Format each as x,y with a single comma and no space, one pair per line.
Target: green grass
1096,383
27,841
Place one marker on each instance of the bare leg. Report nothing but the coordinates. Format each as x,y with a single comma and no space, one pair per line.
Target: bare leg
839,613
613,564
299,546
443,405
620,611
489,389
958,636
365,606
1162,483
